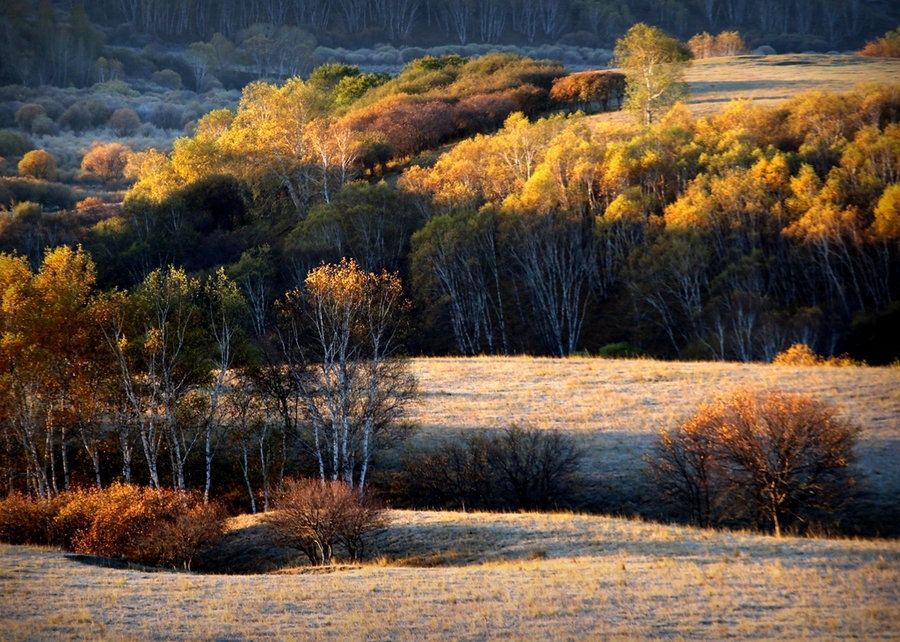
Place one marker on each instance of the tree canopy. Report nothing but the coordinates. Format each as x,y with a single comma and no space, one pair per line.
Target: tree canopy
654,65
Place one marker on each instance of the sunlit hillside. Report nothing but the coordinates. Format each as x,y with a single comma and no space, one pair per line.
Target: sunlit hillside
484,577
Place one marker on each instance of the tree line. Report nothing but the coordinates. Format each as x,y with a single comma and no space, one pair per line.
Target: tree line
166,378
62,43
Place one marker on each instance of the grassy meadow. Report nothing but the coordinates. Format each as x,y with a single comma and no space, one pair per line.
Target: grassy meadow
484,577
770,80
523,576
616,407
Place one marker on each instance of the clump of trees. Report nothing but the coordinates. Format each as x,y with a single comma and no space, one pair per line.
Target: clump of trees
589,91
727,43
181,372
777,459
517,468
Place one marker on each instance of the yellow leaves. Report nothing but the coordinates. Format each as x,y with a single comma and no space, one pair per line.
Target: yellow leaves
887,214
343,284
155,174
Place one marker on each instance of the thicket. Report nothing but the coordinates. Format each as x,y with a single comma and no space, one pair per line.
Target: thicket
148,527
517,468
888,46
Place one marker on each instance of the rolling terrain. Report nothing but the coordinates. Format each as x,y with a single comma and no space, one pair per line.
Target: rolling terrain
484,577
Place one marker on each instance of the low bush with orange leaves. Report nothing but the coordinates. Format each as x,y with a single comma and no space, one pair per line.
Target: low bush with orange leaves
150,527
801,354
886,47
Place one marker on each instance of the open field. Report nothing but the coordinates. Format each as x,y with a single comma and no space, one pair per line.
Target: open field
769,80
616,407
485,577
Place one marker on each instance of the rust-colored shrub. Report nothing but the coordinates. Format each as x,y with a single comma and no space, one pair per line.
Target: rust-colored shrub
150,527
800,354
26,520
881,48
482,113
313,516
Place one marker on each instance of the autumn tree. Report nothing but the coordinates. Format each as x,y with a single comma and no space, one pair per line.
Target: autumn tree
39,164
654,66
53,377
106,161
779,458
341,338
270,132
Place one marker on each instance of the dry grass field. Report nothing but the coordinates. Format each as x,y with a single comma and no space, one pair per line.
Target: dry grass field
769,80
616,407
484,577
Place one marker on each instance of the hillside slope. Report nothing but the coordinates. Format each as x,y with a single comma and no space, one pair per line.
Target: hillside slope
510,577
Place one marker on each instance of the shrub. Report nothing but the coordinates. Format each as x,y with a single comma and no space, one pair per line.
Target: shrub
12,144
39,164
50,195
150,527
886,47
25,520
167,78
621,350
26,115
780,459
167,116
100,110
519,468
76,516
313,516
800,354
43,126
482,113
106,160
77,118
124,122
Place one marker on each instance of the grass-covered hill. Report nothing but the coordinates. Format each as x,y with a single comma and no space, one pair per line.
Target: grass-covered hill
483,577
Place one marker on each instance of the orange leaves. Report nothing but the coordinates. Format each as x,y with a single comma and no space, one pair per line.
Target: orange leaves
774,456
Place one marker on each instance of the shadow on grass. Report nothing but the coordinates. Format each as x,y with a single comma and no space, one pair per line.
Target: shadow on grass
248,550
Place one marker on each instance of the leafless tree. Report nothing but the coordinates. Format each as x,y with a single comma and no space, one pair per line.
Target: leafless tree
458,15
554,259
492,16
